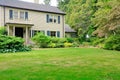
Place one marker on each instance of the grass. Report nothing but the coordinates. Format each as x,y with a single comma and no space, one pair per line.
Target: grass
61,64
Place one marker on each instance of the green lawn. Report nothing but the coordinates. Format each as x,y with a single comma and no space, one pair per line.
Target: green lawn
61,64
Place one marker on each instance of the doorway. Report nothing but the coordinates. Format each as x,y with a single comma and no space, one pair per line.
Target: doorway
19,32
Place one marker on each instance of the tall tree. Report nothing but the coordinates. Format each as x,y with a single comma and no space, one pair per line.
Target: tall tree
100,17
107,18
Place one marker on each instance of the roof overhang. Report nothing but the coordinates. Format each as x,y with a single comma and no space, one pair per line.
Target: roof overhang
33,10
22,24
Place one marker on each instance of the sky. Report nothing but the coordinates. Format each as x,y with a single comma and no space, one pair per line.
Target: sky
53,2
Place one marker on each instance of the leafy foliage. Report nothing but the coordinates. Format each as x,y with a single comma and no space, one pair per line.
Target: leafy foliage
12,44
52,42
41,40
3,31
113,43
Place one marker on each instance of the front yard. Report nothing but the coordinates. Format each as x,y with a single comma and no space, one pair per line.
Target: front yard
61,64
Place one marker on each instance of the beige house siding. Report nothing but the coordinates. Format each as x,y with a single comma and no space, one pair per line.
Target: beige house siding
36,21
1,16
39,21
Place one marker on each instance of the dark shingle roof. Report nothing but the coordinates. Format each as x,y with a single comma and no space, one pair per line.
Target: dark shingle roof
30,6
68,28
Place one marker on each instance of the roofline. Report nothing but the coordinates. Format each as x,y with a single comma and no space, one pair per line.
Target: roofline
33,10
19,24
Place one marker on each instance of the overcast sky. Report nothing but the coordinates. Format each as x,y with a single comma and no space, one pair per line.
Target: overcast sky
53,2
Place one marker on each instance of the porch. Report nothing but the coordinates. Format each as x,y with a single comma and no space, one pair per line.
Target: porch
20,30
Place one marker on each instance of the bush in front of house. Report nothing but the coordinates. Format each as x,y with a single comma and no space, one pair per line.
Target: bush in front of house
12,44
113,43
52,42
41,40
3,31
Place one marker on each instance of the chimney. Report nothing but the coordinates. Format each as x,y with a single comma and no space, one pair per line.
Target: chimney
36,1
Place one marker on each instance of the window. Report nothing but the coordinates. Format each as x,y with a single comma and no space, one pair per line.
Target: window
34,32
58,19
48,33
22,15
10,14
55,19
51,18
47,18
53,33
16,14
58,33
26,15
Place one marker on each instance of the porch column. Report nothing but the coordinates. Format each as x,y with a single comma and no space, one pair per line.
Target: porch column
26,35
13,30
8,29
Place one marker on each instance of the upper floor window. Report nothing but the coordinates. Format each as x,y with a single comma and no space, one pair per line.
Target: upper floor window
22,15
26,15
58,19
10,14
13,14
16,14
55,19
52,19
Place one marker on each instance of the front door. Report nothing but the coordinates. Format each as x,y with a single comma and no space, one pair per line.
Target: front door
19,32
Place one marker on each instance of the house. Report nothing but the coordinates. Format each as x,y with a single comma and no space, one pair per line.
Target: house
69,32
24,19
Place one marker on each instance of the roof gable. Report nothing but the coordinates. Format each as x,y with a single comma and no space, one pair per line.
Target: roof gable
30,6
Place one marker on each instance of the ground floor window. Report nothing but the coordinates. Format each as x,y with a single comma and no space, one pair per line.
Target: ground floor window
34,32
53,33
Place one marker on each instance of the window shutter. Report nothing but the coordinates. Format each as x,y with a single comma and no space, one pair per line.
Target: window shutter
48,33
58,19
32,33
26,15
11,14
47,18
58,33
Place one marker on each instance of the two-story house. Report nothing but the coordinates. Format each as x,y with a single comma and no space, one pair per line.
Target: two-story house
24,19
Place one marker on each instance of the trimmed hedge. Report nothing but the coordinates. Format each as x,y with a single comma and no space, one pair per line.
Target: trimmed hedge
12,44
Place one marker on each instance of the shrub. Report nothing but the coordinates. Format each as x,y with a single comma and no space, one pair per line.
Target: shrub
68,44
53,42
99,42
62,40
41,40
59,45
12,44
3,31
76,44
54,39
51,45
113,43
70,40
85,44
